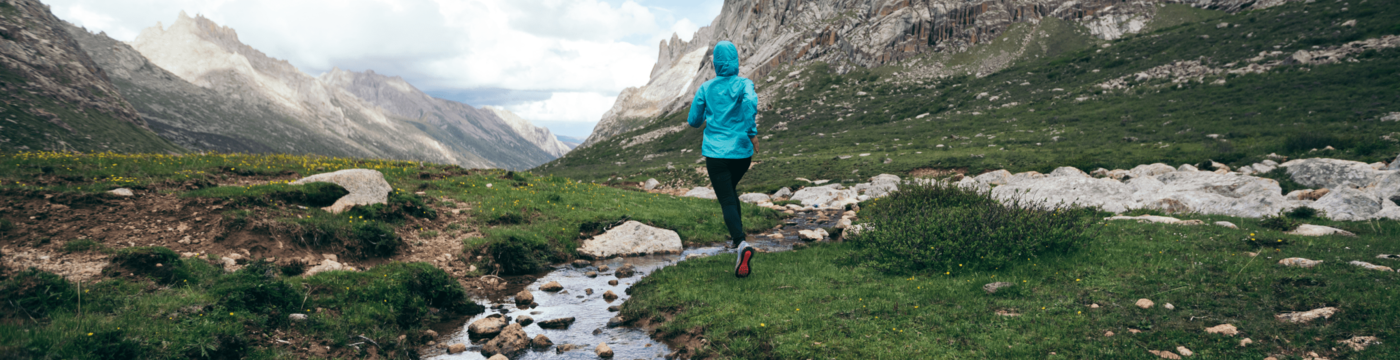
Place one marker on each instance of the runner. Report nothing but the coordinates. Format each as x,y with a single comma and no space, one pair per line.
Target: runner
726,106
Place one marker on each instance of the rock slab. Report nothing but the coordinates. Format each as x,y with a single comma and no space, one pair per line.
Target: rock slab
366,187
632,238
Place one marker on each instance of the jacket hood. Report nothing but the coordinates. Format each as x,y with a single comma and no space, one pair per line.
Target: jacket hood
726,59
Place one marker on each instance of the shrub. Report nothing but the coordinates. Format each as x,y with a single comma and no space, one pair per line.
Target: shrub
1303,213
155,262
1280,222
252,289
399,207
34,293
518,252
945,227
373,239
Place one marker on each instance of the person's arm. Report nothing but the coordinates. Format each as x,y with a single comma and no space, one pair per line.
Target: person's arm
754,140
697,109
750,108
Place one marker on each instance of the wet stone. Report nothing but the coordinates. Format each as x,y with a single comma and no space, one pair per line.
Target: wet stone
560,323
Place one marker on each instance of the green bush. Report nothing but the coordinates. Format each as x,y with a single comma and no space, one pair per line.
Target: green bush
1303,213
518,252
255,288
1280,222
399,207
34,293
373,239
939,228
155,262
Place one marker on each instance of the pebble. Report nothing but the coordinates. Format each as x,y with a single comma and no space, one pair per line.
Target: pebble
456,348
615,308
616,321
551,286
497,356
1299,262
1184,351
525,320
588,291
524,297
560,323
1223,329
541,341
591,274
1306,316
1246,341
1165,354
602,268
1144,303
297,317
609,296
603,350
1371,266
581,263
1094,306
993,287
1108,334
612,282
1169,306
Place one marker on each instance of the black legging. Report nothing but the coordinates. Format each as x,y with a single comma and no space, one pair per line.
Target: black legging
724,176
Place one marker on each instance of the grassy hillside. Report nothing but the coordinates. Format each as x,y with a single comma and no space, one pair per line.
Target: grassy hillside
1044,112
38,123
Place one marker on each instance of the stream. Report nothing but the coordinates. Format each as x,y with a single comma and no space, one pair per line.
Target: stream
590,312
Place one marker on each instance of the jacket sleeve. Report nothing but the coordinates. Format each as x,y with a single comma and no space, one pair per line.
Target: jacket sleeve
697,109
750,109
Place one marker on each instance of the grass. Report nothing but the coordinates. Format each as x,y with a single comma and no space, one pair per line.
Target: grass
211,314
813,303
1037,122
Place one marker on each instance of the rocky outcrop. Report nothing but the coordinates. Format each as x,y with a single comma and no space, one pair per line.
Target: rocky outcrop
864,33
365,186
632,238
510,342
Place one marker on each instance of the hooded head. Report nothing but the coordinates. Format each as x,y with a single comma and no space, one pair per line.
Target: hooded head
726,59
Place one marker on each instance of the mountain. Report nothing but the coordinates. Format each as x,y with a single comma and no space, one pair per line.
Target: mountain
538,135
55,97
570,141
199,86
1024,86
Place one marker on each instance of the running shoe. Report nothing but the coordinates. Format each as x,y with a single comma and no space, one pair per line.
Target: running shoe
741,263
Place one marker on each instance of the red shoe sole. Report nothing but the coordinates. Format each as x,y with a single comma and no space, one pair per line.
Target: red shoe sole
743,270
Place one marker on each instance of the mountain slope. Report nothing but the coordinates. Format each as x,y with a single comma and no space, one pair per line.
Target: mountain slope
538,135
55,97
1218,86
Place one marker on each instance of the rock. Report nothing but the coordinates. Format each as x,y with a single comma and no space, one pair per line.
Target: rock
782,193
591,274
1184,351
1134,331
1318,230
1187,167
581,263
456,348
366,187
609,296
616,321
1306,316
627,270
808,235
603,350
427,335
1388,256
612,282
524,297
827,196
551,286
650,184
1299,262
560,323
1165,354
632,238
1108,334
1358,343
1370,266
1150,170
993,287
1094,306
1156,219
1348,204
498,357
1223,329
1331,173
701,192
1226,224
297,317
524,320
588,291
843,223
1144,303
326,265
602,268
1068,171
487,327
754,198
1169,306
511,341
541,341
121,192
879,186
614,308
1245,342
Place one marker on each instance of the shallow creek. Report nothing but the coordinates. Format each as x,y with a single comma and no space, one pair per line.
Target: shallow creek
590,312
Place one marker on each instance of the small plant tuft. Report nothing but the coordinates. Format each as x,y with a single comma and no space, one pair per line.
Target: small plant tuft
80,245
1303,213
1280,222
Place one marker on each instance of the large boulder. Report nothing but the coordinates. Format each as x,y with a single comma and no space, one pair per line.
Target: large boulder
632,238
1331,173
1216,194
783,193
1068,171
511,341
1054,192
701,192
755,198
998,177
1150,170
365,186
488,326
1346,203
830,196
879,186
650,184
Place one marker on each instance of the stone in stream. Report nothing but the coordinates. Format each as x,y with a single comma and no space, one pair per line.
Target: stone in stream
1144,303
627,270
609,296
366,187
615,308
616,321
603,350
524,320
551,286
1299,262
993,287
510,342
581,263
591,274
588,291
541,341
602,268
632,238
560,323
524,297
498,357
1306,316
456,348
428,335
488,326
612,282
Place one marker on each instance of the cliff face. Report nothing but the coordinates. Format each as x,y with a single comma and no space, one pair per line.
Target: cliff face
863,33
538,135
55,96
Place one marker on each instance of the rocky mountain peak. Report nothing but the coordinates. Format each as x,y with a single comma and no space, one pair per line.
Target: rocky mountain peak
538,135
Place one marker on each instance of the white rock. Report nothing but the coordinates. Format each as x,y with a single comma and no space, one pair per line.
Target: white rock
1299,262
121,192
754,198
1331,173
998,177
1348,204
366,187
827,196
1318,230
701,192
1052,192
1306,316
1226,224
782,193
1150,170
1187,167
650,184
1156,219
326,265
632,238
1068,171
879,186
1370,266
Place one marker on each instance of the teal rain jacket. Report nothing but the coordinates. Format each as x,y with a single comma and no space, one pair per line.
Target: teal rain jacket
726,105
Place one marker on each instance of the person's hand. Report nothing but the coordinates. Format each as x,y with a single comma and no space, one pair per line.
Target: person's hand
754,140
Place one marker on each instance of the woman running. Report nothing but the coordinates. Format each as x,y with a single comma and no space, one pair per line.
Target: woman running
726,106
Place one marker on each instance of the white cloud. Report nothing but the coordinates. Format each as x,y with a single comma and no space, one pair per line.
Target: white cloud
565,106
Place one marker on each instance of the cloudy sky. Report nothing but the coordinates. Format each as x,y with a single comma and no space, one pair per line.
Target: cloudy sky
558,63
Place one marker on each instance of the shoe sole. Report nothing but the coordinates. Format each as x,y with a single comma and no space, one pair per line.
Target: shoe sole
743,269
